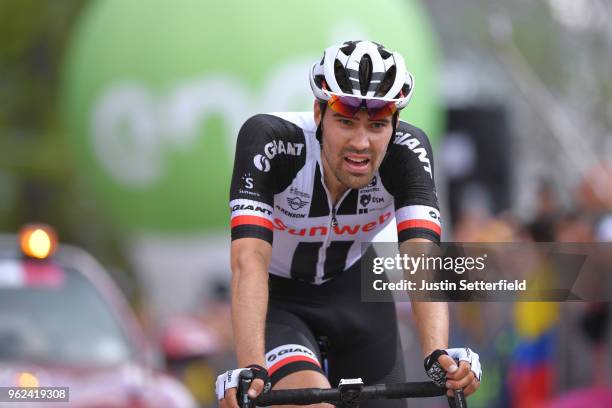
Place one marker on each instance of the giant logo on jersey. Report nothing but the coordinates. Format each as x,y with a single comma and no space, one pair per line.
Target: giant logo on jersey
262,163
406,139
274,148
250,207
289,350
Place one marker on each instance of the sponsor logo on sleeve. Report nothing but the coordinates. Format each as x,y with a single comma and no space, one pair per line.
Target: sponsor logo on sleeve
273,149
247,186
406,139
249,207
248,181
262,163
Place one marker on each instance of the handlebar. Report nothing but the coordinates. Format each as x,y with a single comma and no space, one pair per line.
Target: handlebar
348,396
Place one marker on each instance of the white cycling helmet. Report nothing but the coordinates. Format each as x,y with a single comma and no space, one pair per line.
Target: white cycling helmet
364,69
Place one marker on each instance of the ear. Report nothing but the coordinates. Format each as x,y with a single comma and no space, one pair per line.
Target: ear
317,112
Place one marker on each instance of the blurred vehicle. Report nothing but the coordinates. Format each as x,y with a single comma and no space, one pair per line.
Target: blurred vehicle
64,323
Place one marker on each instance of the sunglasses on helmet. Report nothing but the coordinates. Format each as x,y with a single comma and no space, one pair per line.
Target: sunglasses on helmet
349,105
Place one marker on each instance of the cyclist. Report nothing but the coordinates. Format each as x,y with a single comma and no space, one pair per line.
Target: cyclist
307,189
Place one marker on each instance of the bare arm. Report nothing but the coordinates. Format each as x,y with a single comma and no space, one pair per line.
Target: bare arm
432,323
431,317
250,259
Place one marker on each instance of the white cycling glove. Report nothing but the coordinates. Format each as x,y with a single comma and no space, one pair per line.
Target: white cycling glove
230,379
227,380
436,372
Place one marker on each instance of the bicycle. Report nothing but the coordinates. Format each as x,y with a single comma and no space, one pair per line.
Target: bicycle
349,394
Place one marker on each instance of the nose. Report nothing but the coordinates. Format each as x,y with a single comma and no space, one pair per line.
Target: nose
360,140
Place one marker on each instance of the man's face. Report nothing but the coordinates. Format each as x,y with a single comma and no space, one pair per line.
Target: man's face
353,147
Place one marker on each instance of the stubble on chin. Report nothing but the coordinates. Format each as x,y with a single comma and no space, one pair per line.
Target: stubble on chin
351,181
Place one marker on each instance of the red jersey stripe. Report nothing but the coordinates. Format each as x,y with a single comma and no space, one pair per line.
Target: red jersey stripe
419,224
288,360
251,220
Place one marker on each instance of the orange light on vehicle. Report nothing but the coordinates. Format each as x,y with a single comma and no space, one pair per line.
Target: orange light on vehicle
38,241
26,380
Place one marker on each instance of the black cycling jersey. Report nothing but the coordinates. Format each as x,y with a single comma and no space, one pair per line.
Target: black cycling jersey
278,195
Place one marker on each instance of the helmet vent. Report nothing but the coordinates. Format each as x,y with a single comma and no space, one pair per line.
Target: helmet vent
342,77
383,52
387,82
406,89
348,47
365,73
319,81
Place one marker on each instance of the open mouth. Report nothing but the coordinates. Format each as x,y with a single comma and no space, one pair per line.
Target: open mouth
357,164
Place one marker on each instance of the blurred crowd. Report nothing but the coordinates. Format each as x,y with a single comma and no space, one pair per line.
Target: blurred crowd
543,354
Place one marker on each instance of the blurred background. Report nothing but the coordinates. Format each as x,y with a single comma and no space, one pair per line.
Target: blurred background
118,122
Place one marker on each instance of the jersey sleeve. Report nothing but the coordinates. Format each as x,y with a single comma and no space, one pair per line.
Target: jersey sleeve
268,151
252,188
407,174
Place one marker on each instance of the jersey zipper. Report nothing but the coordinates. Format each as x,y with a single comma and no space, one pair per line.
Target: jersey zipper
333,223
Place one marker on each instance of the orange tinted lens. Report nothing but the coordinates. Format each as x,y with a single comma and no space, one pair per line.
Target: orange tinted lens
336,104
348,106
384,111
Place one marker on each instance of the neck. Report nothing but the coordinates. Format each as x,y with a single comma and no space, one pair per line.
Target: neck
334,186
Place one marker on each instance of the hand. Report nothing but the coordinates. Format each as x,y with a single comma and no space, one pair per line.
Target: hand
445,371
227,383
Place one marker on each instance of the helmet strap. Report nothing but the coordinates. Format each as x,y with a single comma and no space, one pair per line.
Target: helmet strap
319,133
394,121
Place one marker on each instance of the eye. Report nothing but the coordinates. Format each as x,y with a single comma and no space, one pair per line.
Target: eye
379,125
345,122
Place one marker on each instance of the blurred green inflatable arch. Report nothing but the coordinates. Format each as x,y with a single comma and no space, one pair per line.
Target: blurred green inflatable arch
154,92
